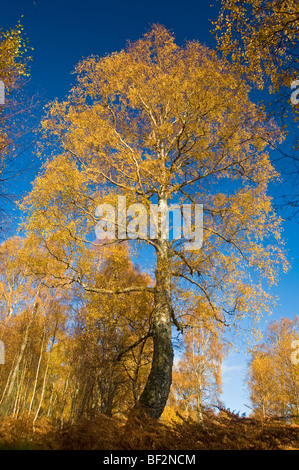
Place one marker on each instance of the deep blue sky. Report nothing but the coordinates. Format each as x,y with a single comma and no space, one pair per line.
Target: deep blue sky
62,32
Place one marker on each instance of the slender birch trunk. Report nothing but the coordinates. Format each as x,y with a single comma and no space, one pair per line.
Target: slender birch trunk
50,401
42,393
37,373
18,395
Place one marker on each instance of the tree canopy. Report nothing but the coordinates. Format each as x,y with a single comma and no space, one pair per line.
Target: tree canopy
159,123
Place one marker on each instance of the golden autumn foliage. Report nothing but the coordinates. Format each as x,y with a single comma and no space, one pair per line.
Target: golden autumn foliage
90,336
111,129
13,56
70,354
172,124
15,108
273,377
262,37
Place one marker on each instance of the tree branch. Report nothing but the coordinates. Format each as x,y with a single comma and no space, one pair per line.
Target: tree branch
132,346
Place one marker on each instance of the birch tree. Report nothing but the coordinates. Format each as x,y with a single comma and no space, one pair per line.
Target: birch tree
273,377
161,124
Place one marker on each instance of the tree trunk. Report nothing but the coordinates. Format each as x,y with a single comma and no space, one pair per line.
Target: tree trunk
18,395
42,393
49,412
88,388
7,400
199,403
37,372
156,391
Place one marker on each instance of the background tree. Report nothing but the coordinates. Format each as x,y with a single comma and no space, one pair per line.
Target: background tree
32,320
95,361
110,340
261,40
16,113
161,123
273,378
263,36
197,377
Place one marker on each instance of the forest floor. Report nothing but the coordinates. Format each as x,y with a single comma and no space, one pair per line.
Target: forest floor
223,432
